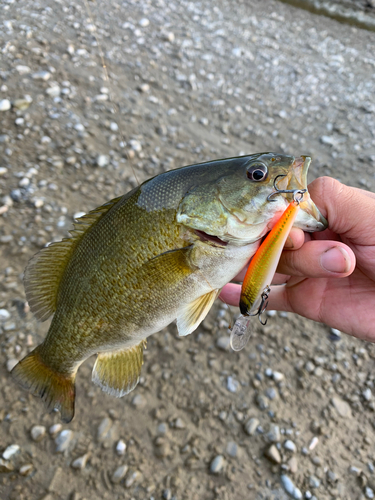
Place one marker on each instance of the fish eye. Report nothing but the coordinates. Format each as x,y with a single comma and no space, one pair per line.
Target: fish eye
257,172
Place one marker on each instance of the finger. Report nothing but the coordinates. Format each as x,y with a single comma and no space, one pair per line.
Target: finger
318,259
350,212
296,239
230,294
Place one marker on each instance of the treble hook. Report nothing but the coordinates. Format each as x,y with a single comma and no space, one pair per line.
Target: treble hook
263,306
297,193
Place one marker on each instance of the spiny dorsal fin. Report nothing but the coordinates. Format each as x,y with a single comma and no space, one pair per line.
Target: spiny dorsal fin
190,315
117,372
44,271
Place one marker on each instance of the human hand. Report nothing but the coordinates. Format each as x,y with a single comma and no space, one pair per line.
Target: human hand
329,276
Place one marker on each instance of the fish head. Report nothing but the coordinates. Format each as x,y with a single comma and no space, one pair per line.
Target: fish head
241,203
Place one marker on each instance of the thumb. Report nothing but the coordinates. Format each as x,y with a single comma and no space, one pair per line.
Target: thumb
350,211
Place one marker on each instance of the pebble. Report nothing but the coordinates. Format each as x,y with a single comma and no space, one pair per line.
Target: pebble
232,384
163,428
10,451
121,447
144,22
63,440
278,376
23,70
223,343
3,171
314,482
102,160
273,435
179,424
271,393
6,466
5,104
367,394
78,215
133,477
290,488
104,428
25,470
273,454
135,145
217,464
54,91
119,474
232,449
293,465
38,432
369,492
11,363
290,446
41,75
54,430
251,426
342,407
22,104
313,443
139,401
80,462
4,314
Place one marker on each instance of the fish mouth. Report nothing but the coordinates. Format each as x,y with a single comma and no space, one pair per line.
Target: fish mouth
310,218
210,238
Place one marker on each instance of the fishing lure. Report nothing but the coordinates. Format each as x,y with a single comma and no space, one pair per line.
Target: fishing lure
256,284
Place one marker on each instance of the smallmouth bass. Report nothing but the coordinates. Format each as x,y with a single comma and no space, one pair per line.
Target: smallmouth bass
161,252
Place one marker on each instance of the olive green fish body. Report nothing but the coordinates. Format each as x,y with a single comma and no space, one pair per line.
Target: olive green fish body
160,253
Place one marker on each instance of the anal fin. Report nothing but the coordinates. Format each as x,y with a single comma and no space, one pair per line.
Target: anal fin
193,313
117,372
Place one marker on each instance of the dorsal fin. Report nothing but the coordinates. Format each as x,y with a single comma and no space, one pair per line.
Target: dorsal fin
44,271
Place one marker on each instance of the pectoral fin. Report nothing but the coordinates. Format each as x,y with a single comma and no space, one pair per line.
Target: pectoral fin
117,372
192,314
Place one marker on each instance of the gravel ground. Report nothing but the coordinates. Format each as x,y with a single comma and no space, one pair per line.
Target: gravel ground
291,414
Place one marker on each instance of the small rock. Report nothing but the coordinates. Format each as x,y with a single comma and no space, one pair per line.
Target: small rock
167,494
80,462
367,394
369,493
273,434
53,91
290,446
342,407
135,145
11,363
121,447
278,376
273,454
232,384
217,464
134,477
290,487
113,126
232,449
38,432
102,160
119,474
4,314
251,426
41,75
5,104
63,440
22,104
78,215
179,424
313,443
271,393
10,451
139,401
145,87
293,465
223,343
26,469
144,22
23,70
6,466
104,429
162,428
54,430
314,482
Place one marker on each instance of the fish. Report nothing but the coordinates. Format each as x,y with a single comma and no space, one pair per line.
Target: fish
256,285
159,253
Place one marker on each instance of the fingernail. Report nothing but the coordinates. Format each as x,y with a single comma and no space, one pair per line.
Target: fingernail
289,243
335,260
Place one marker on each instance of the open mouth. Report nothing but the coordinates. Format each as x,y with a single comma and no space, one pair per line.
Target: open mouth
208,237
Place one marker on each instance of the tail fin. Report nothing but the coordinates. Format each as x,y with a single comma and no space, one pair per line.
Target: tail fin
57,390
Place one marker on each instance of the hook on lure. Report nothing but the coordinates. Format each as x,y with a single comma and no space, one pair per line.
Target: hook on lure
297,193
